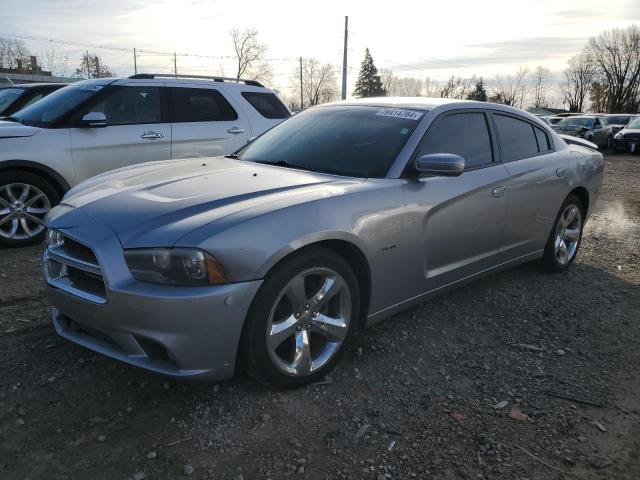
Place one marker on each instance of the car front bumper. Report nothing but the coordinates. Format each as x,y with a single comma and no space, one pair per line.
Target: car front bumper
186,332
627,144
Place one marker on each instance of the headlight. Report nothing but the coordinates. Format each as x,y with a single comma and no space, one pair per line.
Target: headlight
53,238
618,136
175,266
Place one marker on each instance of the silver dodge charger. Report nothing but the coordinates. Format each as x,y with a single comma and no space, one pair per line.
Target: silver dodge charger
271,260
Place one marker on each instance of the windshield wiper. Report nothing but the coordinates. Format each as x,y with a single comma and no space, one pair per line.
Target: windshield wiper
11,119
284,163
232,155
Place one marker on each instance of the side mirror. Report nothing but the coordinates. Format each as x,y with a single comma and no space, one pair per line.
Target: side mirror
93,120
440,165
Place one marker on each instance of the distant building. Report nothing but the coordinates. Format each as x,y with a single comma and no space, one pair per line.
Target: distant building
31,73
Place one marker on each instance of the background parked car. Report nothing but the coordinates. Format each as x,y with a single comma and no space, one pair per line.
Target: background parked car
628,139
16,97
590,127
618,122
551,120
98,125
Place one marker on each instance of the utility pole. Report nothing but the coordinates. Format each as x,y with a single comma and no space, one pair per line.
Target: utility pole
175,65
135,62
98,72
88,62
301,96
344,59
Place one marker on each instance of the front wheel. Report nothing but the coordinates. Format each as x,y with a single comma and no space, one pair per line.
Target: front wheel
25,199
303,318
566,235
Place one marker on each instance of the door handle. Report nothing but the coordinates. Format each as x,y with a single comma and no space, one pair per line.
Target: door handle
151,135
498,192
235,130
561,171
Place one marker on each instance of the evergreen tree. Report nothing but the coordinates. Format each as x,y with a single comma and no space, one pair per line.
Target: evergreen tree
479,93
369,83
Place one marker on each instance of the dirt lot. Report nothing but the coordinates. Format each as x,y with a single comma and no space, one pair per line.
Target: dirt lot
428,394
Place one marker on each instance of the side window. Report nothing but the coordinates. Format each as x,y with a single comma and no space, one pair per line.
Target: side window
131,106
464,134
267,104
200,105
516,138
33,99
543,140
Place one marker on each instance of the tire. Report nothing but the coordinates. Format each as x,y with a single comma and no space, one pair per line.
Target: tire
290,327
610,143
565,237
25,199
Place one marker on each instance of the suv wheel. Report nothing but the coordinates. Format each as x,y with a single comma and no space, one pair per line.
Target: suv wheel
25,199
303,318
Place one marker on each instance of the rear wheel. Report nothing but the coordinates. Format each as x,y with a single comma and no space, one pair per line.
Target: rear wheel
25,199
566,235
303,318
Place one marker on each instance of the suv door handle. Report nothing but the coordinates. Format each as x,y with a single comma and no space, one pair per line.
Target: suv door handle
151,135
498,192
235,130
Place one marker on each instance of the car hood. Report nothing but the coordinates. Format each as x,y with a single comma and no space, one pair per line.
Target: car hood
155,204
630,133
14,129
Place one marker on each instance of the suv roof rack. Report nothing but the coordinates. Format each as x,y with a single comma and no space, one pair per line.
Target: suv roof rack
151,76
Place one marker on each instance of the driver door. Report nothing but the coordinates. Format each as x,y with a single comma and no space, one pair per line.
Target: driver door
461,220
137,131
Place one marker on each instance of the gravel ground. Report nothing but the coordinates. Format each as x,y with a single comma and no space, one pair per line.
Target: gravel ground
464,386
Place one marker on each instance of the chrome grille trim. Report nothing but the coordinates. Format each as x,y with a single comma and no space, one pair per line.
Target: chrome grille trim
77,276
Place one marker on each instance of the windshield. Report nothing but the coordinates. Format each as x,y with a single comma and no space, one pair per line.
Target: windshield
358,141
634,124
618,120
52,107
8,96
576,122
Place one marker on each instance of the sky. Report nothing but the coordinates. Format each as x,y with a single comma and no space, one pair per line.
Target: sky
414,38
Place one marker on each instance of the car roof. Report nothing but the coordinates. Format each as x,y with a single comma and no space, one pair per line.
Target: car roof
169,80
421,103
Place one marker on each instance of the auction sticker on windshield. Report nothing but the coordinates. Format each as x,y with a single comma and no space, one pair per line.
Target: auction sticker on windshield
399,113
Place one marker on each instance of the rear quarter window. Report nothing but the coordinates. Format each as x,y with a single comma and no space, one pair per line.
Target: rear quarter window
267,104
200,105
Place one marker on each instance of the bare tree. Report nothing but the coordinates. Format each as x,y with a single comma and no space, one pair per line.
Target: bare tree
54,62
577,81
250,55
540,88
91,66
13,54
319,82
388,79
616,54
430,87
401,86
511,89
457,87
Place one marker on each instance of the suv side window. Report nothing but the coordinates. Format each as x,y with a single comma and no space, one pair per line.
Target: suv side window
464,134
267,104
200,105
517,138
131,106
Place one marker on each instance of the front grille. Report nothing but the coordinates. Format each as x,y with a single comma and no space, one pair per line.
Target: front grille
73,267
632,136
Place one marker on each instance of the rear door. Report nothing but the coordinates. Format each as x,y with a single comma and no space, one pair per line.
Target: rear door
205,122
137,130
534,187
462,218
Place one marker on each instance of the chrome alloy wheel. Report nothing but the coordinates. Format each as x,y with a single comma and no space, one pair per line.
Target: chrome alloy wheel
22,211
309,321
568,234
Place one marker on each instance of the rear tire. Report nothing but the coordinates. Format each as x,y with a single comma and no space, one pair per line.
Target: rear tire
25,199
302,319
565,237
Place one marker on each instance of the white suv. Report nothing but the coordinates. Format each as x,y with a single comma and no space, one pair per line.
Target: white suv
98,125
